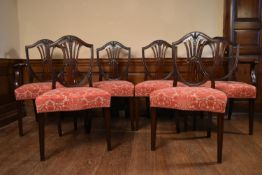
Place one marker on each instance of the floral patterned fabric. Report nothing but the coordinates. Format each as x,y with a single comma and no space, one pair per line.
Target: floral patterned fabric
72,99
189,98
235,89
31,90
118,88
144,88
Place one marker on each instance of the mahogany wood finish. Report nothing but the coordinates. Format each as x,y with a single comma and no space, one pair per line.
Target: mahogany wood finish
45,74
156,62
111,53
193,44
108,61
242,25
154,57
71,76
226,52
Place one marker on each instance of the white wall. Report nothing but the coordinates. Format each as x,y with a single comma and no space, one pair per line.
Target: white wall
9,35
135,23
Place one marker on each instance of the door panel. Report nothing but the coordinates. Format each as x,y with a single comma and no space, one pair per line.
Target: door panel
242,24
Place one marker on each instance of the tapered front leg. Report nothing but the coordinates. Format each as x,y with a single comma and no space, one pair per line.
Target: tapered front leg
87,122
20,117
148,107
36,118
131,114
153,128
59,125
41,123
209,123
136,112
176,115
230,108
251,115
75,123
106,114
220,131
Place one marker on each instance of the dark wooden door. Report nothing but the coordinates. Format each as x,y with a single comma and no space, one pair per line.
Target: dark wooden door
242,24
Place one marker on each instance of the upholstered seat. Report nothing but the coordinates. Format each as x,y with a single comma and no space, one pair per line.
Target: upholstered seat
72,99
190,99
31,90
144,88
234,89
117,88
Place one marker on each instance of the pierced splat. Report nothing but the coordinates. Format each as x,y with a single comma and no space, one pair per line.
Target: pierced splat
226,51
46,62
70,74
113,50
193,44
194,48
159,50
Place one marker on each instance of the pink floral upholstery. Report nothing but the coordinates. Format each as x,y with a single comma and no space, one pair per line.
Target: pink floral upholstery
144,88
234,89
31,90
118,88
72,99
189,98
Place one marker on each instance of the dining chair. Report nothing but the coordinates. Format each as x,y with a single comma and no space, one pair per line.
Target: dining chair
157,74
113,74
193,48
78,94
40,80
235,90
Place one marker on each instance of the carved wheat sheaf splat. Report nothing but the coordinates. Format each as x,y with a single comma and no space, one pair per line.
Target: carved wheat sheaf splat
46,61
46,70
113,51
159,49
226,51
194,44
194,48
70,46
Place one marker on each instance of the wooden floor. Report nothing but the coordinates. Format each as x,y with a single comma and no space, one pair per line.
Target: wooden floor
78,153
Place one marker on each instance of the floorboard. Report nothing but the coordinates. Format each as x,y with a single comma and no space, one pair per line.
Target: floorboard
187,153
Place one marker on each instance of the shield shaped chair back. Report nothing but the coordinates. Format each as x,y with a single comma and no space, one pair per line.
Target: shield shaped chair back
72,73
156,57
194,59
109,60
